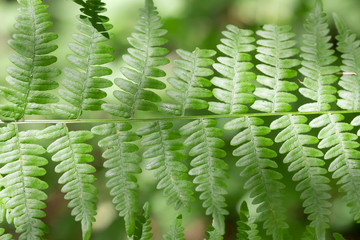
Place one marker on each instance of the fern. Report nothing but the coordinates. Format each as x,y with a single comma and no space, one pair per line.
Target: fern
33,73
342,146
253,104
122,162
83,84
208,167
263,181
235,85
254,157
72,154
164,155
190,82
349,47
143,59
316,65
306,162
92,9
21,165
275,51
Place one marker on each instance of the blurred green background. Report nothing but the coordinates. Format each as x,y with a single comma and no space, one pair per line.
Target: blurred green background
191,23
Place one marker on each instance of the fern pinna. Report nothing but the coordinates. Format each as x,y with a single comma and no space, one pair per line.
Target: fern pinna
22,193
122,162
83,84
255,78
72,154
163,154
33,73
144,58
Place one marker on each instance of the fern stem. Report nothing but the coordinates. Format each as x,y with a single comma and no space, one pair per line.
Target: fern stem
174,118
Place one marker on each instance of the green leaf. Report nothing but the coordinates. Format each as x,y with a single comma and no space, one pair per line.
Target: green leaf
22,189
207,167
264,184
122,166
33,72
306,163
163,155
276,68
71,154
233,87
342,145
189,82
141,74
317,57
83,83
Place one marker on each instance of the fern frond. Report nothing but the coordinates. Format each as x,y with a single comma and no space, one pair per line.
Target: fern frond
143,59
275,51
33,73
208,167
73,159
263,181
342,145
246,229
317,58
143,228
176,232
190,81
164,156
21,165
123,163
83,82
307,163
234,87
349,46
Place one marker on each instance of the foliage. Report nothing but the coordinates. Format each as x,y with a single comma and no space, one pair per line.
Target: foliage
184,131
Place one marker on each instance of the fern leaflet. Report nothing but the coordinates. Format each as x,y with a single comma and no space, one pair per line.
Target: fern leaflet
5,236
266,189
213,234
316,65
82,85
190,82
164,156
122,162
307,163
342,146
208,168
72,154
349,46
32,75
143,59
275,51
233,89
21,166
